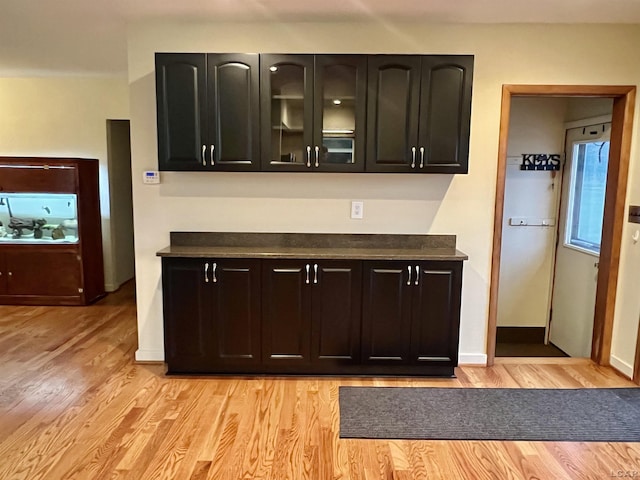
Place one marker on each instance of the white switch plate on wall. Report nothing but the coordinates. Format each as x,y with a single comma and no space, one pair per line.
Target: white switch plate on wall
357,209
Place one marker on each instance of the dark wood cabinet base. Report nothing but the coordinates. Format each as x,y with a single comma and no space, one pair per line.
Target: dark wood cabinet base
288,316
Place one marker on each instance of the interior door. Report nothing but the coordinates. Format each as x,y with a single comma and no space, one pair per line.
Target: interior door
579,234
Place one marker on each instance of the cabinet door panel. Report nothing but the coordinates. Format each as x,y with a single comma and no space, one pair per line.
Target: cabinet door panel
3,275
436,312
236,311
392,114
286,110
286,304
188,329
445,113
336,304
233,108
38,178
386,319
181,106
340,93
43,273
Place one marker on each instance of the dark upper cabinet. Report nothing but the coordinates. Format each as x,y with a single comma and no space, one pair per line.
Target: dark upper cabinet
411,312
445,113
313,112
304,113
212,314
418,113
311,314
234,120
207,111
392,113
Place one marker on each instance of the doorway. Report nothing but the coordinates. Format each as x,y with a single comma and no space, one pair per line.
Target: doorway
623,103
120,201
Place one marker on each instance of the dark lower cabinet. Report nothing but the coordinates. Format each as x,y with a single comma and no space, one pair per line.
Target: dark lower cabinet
311,317
25,276
411,314
435,321
212,315
335,314
386,326
286,323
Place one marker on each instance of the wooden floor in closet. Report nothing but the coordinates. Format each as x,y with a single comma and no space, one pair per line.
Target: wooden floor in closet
74,405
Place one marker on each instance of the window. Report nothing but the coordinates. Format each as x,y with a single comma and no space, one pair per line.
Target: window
587,192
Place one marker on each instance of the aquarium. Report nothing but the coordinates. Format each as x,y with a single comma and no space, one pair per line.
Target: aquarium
38,218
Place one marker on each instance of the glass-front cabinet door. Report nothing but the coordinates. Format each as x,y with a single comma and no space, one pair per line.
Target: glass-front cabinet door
313,112
339,112
287,112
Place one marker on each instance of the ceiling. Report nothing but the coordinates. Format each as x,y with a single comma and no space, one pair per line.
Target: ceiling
89,36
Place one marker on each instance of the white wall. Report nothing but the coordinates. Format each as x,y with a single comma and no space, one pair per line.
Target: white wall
64,116
526,263
463,204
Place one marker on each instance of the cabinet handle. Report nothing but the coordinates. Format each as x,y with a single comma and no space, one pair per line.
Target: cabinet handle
213,149
307,280
206,272
317,156
204,152
421,157
215,266
10,274
413,157
409,270
417,274
309,156
315,273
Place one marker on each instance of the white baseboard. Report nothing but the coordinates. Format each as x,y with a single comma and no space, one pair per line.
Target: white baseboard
622,366
472,359
149,355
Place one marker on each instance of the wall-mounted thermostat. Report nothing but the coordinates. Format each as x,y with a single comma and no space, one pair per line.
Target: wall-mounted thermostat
151,177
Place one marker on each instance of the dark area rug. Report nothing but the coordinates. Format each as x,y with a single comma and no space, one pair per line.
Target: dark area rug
572,415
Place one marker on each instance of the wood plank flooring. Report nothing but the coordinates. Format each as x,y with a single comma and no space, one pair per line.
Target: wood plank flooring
74,405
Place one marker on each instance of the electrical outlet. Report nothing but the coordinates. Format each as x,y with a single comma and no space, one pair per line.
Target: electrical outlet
357,209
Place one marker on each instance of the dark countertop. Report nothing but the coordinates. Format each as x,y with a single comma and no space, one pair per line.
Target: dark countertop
312,246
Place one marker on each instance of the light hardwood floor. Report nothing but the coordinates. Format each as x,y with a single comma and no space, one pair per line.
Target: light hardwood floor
74,405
